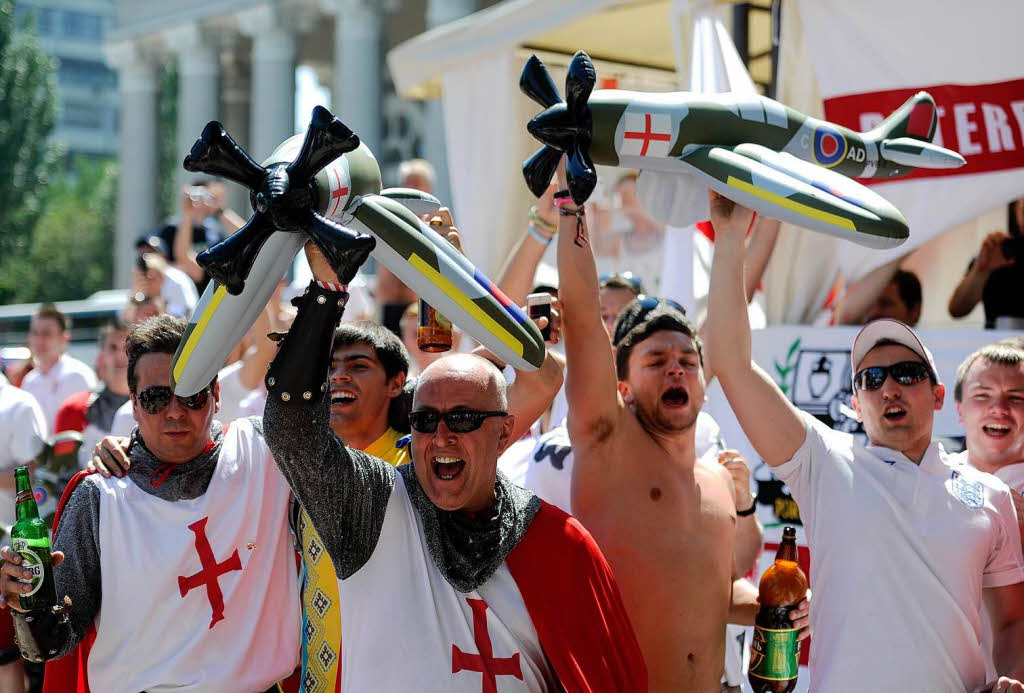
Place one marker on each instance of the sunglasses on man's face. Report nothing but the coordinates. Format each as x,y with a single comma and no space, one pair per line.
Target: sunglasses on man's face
904,373
155,399
457,421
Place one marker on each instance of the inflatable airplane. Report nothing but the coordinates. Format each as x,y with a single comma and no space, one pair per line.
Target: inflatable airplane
317,187
754,150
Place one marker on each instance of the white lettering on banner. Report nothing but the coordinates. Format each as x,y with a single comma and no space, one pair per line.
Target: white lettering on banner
964,128
1000,137
1018,112
984,122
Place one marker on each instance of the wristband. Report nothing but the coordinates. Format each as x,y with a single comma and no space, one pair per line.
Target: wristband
749,511
541,224
538,236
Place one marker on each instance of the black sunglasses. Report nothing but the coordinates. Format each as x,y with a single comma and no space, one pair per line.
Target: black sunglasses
904,372
457,421
154,399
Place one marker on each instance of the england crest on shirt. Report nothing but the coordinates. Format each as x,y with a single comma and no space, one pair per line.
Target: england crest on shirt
970,493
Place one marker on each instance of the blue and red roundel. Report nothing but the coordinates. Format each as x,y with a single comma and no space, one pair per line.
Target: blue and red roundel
829,146
40,495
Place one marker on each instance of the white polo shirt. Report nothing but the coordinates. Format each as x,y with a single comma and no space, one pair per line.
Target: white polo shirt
22,433
68,376
900,554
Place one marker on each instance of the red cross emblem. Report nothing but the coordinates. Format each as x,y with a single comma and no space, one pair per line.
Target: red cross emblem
336,195
647,135
485,662
211,571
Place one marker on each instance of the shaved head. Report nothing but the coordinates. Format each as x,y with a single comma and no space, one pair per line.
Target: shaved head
467,368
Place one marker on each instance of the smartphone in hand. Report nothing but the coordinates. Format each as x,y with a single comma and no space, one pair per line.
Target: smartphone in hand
538,305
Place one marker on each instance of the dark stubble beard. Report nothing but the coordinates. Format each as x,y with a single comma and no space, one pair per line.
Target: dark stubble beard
655,421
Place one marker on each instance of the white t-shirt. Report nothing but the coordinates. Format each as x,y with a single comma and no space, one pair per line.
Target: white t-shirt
900,554
123,423
1013,476
68,376
22,434
179,292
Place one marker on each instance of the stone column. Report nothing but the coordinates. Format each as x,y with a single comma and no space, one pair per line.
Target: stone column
272,114
434,144
137,153
198,85
235,107
357,79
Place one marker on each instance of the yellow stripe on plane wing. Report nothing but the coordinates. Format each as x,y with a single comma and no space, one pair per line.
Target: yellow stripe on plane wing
453,292
198,330
798,207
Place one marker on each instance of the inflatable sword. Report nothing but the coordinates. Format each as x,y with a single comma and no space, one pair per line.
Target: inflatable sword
752,149
322,186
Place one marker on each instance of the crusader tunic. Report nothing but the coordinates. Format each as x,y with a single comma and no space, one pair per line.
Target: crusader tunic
522,600
179,574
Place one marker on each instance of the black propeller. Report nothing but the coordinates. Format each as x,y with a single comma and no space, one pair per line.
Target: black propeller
284,198
563,127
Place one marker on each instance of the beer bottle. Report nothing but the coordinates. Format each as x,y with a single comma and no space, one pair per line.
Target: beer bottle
434,333
775,651
31,539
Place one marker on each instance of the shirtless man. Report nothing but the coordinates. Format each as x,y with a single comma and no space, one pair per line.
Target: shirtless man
665,522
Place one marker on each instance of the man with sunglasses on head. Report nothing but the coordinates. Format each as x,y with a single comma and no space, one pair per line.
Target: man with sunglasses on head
177,574
904,539
450,577
665,519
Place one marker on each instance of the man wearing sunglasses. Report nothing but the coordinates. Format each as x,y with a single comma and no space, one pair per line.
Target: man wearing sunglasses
904,540
450,577
178,573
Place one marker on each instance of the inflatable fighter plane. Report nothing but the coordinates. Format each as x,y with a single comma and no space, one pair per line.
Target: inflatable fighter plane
754,150
324,186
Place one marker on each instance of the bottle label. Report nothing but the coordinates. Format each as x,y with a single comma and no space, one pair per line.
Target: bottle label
31,561
775,654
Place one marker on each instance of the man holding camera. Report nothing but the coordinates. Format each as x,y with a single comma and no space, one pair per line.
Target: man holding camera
995,277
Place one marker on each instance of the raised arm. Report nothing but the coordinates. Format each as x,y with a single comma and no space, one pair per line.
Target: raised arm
344,491
770,421
759,253
861,295
590,385
990,258
517,277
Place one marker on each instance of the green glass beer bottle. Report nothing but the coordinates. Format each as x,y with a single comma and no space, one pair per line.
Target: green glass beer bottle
31,539
775,651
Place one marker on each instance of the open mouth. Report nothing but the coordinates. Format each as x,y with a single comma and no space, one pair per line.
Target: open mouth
894,412
342,397
447,468
675,397
996,430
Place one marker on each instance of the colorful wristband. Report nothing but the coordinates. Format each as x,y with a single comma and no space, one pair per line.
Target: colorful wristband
538,236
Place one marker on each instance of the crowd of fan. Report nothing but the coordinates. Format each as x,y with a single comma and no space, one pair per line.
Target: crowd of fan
377,366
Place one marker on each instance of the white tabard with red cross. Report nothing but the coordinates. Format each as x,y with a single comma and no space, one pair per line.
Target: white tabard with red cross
405,628
198,595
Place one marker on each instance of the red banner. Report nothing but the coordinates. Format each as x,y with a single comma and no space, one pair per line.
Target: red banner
984,122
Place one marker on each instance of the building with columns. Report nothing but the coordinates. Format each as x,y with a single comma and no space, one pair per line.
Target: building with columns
237,61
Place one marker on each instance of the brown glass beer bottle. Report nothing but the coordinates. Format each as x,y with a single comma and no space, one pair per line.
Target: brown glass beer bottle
434,332
775,651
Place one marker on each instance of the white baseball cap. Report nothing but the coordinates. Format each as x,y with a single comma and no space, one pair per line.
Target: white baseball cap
889,330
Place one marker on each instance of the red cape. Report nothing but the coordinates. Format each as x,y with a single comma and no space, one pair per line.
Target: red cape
575,605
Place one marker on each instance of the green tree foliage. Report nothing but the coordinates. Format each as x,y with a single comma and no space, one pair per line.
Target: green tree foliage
168,156
27,116
71,251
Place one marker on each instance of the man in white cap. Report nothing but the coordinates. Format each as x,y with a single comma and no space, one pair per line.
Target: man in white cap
904,540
